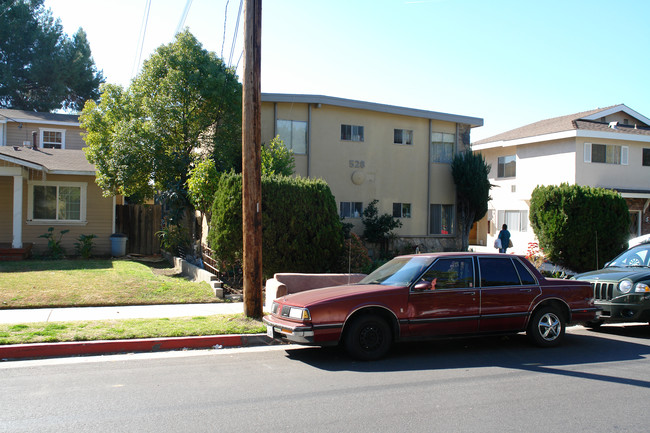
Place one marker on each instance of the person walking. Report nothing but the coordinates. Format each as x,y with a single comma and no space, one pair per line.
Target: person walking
504,237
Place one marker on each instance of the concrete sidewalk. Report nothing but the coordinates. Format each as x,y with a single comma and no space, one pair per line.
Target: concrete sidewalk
124,312
47,350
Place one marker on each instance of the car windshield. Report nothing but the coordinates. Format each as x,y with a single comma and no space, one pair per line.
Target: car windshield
401,271
632,258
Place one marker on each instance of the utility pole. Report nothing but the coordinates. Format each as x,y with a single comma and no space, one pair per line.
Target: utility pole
251,163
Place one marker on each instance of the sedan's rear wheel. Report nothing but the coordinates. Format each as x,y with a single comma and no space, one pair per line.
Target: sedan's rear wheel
368,337
546,327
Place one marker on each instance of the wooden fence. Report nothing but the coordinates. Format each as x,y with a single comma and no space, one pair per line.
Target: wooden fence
140,223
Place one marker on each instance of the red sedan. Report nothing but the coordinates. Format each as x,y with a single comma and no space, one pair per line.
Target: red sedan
433,295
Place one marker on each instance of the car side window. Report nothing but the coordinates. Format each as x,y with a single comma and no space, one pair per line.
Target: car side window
451,273
498,271
524,274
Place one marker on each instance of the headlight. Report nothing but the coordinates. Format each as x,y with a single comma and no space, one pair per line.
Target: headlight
274,308
625,286
641,288
299,313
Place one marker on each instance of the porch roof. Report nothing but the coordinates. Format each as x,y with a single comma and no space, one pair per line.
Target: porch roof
51,161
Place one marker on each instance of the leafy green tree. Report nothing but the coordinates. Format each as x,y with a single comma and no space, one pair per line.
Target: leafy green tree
378,228
184,107
204,177
470,173
277,159
41,68
579,227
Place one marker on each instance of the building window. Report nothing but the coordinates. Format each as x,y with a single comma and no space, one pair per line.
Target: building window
294,135
51,201
351,209
606,153
507,166
402,210
442,147
351,133
646,157
53,138
403,136
442,219
516,220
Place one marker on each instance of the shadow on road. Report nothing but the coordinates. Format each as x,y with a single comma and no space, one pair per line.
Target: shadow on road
511,352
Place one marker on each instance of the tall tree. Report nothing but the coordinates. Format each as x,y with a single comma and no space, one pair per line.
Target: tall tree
41,68
144,139
470,173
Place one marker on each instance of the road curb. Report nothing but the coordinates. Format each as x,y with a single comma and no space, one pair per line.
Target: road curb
103,347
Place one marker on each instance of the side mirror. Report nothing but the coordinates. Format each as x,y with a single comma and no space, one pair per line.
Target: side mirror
422,286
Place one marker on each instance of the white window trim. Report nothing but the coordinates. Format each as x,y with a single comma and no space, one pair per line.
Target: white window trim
82,204
587,153
625,152
42,130
506,156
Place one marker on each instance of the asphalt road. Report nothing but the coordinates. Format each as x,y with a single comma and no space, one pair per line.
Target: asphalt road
595,382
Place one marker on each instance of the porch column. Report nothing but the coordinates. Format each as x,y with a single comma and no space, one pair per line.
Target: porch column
18,213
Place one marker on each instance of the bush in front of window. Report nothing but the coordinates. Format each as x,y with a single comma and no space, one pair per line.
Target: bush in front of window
301,229
54,248
84,246
579,227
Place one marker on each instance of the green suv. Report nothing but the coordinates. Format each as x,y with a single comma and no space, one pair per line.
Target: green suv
622,287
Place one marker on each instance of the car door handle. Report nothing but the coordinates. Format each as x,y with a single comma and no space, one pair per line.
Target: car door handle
469,293
525,290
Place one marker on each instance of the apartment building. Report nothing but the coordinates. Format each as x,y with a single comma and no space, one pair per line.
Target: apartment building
366,151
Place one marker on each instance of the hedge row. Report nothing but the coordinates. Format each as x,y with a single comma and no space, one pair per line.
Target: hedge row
579,227
301,229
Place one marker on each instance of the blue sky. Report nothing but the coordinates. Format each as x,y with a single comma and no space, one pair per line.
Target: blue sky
508,62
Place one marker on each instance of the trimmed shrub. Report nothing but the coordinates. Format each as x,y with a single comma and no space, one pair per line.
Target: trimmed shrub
301,230
579,227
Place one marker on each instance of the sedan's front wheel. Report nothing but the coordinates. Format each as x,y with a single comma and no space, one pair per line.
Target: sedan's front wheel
546,327
368,337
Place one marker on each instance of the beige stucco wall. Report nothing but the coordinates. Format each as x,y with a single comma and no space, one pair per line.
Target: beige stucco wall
631,176
389,172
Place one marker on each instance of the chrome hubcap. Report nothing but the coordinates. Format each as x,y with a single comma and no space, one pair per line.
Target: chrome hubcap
549,326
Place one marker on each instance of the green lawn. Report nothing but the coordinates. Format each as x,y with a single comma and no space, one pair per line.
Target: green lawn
47,332
83,283
76,283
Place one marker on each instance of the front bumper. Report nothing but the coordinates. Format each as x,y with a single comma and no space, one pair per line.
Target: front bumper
279,329
625,311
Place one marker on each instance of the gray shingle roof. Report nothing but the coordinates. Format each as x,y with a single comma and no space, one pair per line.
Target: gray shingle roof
35,117
561,124
54,161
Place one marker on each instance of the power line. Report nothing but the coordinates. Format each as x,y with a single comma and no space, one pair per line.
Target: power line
225,19
143,32
181,23
234,38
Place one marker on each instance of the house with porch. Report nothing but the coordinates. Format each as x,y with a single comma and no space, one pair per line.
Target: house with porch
365,151
46,181
604,147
